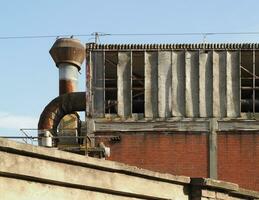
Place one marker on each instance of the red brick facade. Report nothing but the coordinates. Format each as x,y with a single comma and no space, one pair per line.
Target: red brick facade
164,152
187,154
238,158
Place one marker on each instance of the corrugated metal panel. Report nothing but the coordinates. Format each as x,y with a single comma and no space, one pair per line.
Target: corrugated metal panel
178,83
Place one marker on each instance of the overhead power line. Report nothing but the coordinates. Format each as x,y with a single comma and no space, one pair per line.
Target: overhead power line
42,36
176,34
99,34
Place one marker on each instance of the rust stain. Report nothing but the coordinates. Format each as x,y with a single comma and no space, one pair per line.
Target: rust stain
66,86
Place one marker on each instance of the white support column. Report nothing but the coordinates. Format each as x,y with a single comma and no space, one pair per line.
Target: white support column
151,79
192,83
164,83
98,70
233,83
219,83
124,84
205,81
178,83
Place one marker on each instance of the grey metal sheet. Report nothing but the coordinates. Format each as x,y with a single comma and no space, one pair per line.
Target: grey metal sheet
124,84
178,83
164,83
205,84
151,82
233,84
192,83
219,83
97,66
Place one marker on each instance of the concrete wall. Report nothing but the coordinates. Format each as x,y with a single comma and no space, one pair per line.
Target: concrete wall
30,172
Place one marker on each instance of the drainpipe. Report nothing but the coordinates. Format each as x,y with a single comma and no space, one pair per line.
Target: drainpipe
68,55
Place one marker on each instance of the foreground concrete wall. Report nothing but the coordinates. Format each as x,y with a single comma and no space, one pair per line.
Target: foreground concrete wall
30,172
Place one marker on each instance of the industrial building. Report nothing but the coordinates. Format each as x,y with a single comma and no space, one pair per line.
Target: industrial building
183,109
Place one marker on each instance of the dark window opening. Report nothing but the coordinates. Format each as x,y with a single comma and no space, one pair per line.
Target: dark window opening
249,81
111,61
138,82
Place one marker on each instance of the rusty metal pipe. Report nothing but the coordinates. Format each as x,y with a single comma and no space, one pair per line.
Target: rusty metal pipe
68,78
68,54
57,109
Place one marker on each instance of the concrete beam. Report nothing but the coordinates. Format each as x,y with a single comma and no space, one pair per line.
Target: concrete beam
178,83
192,84
181,125
164,83
151,82
238,125
124,84
213,156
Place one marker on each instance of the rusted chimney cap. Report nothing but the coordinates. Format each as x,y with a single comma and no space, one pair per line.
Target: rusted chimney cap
68,50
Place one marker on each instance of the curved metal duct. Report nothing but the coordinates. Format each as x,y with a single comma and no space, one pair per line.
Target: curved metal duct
57,109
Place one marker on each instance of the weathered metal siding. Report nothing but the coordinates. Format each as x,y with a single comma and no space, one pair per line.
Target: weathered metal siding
188,83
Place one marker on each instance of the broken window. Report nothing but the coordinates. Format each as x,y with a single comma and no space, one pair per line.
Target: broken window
111,61
249,81
138,82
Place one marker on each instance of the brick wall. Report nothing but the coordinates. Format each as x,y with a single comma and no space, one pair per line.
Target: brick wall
238,158
175,153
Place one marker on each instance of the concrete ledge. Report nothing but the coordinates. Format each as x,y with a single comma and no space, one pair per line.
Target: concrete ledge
63,169
246,193
70,158
208,186
217,184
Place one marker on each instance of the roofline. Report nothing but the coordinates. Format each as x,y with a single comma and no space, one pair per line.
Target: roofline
174,46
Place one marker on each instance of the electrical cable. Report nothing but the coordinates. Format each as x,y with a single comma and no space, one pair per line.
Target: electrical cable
126,34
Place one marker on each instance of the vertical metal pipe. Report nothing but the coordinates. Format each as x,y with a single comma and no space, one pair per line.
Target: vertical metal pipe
68,77
178,83
219,83
192,83
68,55
233,84
164,83
205,82
124,84
151,90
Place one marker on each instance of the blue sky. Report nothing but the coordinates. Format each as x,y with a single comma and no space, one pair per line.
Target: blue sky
29,78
